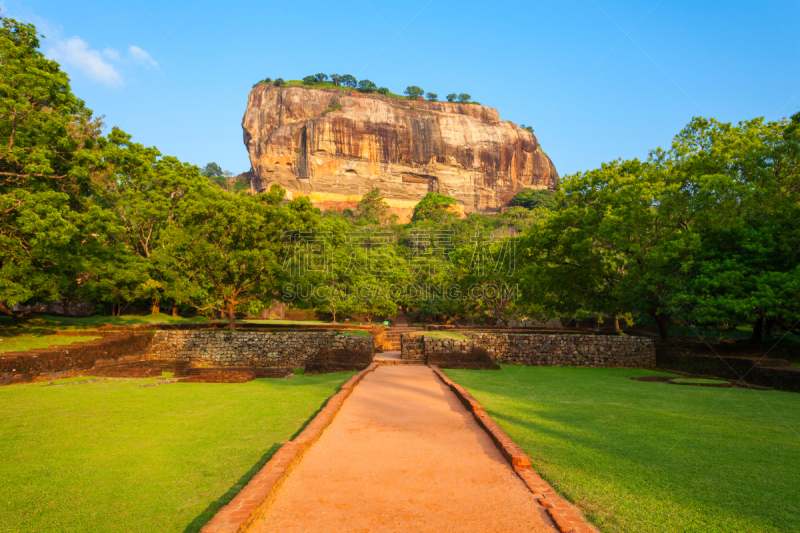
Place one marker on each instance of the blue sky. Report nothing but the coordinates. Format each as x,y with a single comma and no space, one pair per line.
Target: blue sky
598,79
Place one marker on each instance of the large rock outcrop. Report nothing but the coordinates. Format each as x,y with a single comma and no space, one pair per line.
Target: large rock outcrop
335,145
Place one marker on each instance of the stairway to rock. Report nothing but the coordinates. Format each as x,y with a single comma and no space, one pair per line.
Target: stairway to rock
392,338
400,320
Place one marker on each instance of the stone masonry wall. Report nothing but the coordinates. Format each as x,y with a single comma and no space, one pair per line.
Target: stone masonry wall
568,350
541,350
251,349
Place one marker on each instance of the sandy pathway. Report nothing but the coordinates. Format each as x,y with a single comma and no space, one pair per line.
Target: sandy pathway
403,455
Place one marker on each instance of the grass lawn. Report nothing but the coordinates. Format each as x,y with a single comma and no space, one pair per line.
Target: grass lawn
110,456
270,321
28,341
700,381
652,457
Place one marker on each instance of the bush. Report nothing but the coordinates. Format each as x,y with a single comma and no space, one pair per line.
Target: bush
534,198
433,206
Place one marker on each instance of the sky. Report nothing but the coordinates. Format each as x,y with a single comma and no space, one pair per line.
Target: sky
597,79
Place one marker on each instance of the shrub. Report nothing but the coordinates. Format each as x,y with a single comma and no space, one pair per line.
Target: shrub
433,206
432,97
533,198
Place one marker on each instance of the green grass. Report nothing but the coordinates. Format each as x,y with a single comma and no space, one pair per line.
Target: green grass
355,333
113,457
444,335
651,457
699,381
27,341
125,320
268,321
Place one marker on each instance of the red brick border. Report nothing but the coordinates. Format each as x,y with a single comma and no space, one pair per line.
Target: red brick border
252,502
567,518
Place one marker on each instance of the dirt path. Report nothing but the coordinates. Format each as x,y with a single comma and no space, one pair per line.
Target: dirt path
403,455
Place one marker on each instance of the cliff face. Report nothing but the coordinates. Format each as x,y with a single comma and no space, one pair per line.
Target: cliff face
336,145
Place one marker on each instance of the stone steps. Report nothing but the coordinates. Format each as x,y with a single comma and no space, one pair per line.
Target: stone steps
400,362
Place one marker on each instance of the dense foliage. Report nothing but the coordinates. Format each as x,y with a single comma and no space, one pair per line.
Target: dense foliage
704,232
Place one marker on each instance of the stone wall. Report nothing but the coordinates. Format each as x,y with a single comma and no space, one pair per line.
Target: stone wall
541,350
568,350
412,347
251,349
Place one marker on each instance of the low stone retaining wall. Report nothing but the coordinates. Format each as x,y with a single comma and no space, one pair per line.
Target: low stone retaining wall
568,350
540,350
20,367
251,349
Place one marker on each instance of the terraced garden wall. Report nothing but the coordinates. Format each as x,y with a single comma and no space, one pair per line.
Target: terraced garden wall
251,349
19,367
540,349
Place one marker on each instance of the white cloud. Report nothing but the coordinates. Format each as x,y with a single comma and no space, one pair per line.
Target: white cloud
112,54
76,53
142,57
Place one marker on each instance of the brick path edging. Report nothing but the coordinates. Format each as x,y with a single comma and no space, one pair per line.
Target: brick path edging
253,501
565,516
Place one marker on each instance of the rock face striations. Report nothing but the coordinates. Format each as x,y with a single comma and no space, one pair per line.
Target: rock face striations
335,146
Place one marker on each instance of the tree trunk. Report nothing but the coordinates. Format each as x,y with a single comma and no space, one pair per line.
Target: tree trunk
663,324
175,309
758,330
231,317
616,321
768,327
156,307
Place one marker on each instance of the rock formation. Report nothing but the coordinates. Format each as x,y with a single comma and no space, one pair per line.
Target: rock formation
335,145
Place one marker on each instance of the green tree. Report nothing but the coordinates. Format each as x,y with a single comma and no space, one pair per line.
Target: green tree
230,246
433,207
50,162
321,77
533,199
145,191
335,78
366,86
373,207
743,184
464,98
452,97
278,82
48,139
38,240
413,92
348,81
621,241
309,80
432,97
382,90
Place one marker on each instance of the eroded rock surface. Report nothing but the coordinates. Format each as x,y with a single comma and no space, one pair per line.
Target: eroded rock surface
336,145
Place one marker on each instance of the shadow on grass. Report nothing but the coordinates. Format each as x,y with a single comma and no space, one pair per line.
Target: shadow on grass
201,519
